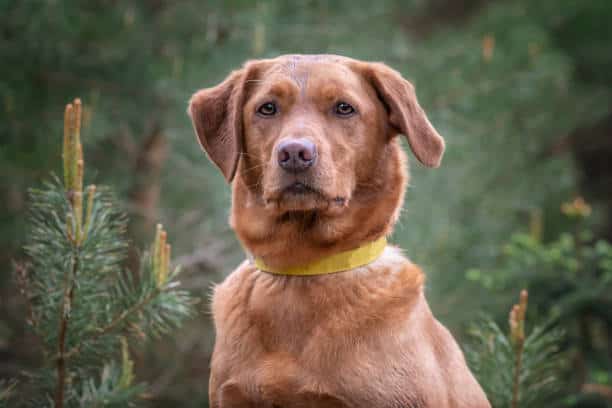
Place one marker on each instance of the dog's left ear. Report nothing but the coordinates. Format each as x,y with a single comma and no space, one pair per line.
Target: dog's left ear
405,114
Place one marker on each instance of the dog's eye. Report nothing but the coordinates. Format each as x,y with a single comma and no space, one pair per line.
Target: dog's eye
267,109
344,109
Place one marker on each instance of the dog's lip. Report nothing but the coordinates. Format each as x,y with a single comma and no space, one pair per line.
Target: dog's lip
298,188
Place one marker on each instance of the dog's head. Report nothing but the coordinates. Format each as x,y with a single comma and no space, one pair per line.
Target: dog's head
312,135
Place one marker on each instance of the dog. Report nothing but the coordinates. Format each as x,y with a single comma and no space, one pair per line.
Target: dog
324,313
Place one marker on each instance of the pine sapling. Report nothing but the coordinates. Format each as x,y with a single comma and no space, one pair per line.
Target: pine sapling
82,303
517,337
516,369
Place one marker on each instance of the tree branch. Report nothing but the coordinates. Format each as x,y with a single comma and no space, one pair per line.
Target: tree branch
94,335
63,329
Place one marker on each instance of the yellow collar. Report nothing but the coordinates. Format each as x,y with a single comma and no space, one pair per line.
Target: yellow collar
339,262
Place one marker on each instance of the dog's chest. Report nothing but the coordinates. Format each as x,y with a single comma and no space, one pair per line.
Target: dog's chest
324,343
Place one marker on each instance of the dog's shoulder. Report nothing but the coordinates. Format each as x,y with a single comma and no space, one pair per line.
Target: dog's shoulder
236,278
233,292
461,386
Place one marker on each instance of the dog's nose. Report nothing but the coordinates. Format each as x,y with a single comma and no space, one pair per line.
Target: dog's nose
296,155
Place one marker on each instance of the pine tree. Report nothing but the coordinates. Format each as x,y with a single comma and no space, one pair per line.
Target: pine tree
83,305
570,279
516,369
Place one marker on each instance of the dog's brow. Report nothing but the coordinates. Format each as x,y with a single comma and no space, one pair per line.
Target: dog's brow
291,69
281,88
330,91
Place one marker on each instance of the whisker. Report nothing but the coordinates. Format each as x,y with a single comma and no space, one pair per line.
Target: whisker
258,166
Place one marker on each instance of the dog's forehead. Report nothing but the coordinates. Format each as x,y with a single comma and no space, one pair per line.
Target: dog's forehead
312,69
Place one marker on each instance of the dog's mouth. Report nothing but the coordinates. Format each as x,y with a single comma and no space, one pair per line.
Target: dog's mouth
300,196
299,188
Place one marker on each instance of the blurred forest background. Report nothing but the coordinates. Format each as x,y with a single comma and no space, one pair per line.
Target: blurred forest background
521,90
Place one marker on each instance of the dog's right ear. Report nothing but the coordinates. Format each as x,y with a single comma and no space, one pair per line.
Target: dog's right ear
216,114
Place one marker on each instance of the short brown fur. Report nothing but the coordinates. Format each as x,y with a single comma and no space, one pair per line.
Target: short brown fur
358,338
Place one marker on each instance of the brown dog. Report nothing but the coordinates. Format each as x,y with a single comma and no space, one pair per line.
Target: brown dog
310,144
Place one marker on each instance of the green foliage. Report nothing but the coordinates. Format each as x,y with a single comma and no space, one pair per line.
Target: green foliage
115,387
492,356
502,90
570,278
570,273
82,301
557,264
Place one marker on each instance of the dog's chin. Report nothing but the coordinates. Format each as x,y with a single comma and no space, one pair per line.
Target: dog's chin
300,197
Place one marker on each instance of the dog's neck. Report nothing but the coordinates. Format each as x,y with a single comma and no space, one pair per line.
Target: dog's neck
293,239
340,262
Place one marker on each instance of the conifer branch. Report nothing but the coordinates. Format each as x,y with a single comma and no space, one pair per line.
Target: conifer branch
117,322
516,369
517,335
160,266
73,168
91,192
77,283
66,307
67,148
127,366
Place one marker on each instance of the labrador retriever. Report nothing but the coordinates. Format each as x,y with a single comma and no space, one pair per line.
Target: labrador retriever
323,313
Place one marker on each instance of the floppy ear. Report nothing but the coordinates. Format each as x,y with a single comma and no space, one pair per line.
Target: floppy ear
405,114
216,114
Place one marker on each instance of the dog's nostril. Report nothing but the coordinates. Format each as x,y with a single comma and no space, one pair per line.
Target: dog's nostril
296,154
283,156
305,155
